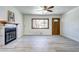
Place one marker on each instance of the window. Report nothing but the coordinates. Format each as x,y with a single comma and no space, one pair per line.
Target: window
40,23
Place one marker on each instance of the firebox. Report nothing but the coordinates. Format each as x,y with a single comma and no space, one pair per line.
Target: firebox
10,33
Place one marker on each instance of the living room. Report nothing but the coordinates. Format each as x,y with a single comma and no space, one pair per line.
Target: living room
39,27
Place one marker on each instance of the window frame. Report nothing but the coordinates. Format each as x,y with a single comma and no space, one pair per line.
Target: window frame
40,19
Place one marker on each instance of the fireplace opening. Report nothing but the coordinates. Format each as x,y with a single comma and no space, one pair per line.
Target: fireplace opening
10,34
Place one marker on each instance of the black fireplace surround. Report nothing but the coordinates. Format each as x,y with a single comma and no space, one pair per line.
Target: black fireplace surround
10,34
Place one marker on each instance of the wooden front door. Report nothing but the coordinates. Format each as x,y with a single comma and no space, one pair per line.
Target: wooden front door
55,26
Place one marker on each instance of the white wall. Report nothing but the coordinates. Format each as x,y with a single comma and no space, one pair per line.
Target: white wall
18,17
70,24
28,25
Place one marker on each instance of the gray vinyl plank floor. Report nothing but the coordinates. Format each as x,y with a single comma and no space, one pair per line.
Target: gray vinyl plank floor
41,44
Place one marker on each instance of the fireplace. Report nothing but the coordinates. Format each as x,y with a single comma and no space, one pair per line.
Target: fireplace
10,33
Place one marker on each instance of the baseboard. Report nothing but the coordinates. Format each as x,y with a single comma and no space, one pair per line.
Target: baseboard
42,35
70,37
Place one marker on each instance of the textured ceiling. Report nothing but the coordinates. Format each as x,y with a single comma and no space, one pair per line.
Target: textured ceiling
38,10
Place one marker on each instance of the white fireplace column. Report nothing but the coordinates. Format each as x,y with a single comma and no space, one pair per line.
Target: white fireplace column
2,35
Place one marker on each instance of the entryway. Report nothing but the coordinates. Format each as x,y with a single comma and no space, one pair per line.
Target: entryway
55,26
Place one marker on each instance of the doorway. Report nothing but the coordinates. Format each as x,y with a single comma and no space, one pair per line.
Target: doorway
55,26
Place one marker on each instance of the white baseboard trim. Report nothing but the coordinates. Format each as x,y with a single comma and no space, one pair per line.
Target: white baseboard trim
70,37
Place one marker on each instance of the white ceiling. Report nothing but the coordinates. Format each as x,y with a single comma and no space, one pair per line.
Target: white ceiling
37,10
